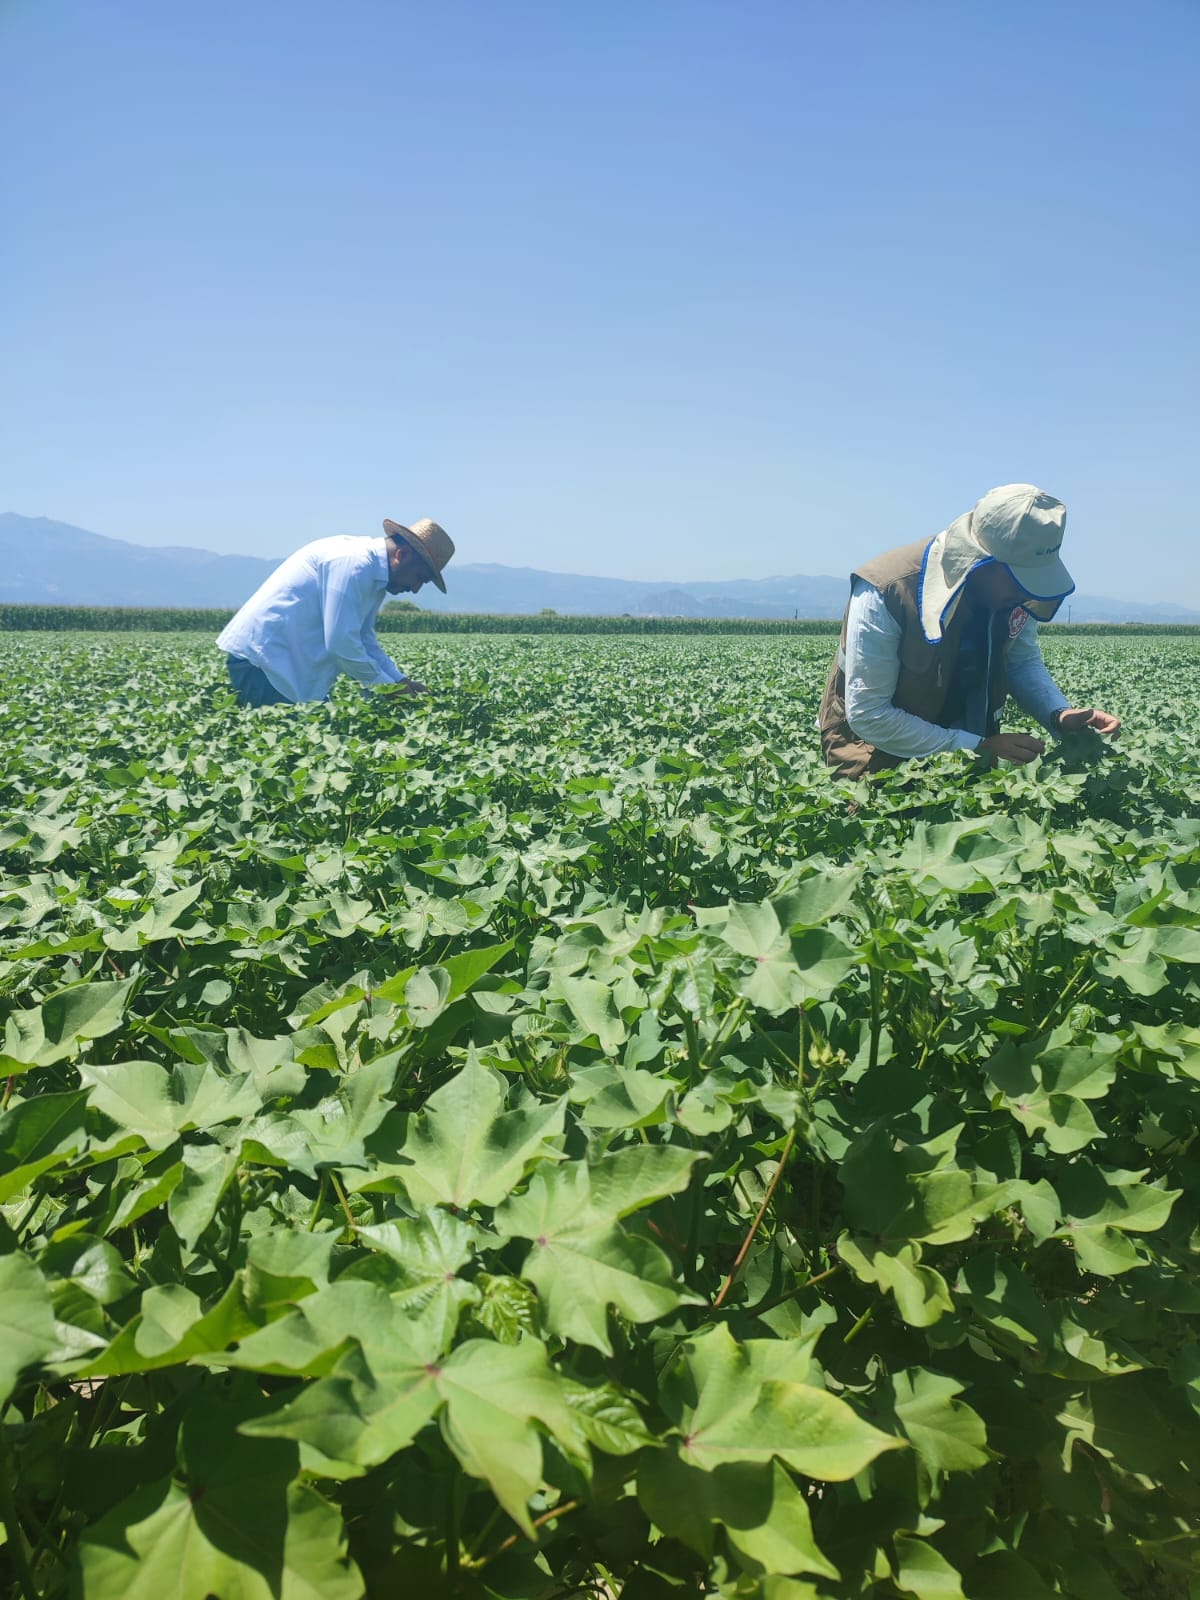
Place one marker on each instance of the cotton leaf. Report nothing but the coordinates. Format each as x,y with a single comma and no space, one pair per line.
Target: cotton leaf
464,1149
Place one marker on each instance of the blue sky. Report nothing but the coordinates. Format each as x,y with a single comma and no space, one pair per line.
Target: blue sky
643,288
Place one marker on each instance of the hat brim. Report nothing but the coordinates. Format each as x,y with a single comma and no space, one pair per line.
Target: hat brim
949,560
1050,581
397,530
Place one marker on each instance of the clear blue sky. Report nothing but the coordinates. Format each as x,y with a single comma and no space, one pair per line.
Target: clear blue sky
659,288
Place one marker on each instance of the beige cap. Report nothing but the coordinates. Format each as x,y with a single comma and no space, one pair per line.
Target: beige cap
1018,525
429,539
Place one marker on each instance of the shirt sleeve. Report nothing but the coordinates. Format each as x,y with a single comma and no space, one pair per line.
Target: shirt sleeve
1029,680
872,671
376,651
351,600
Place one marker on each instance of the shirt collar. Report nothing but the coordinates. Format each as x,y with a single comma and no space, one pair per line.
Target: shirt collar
379,549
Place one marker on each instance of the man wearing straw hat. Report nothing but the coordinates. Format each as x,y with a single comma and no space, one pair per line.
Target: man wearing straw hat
939,633
314,617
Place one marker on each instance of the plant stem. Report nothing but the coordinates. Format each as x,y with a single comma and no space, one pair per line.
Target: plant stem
876,1015
453,1549
341,1194
538,1522
771,1045
754,1226
1072,981
861,1323
316,1210
482,1535
799,1288
723,1035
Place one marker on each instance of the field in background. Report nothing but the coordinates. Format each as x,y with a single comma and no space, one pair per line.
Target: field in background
400,619
544,1140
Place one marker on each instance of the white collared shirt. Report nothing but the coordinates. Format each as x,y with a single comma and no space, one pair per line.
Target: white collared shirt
873,668
314,618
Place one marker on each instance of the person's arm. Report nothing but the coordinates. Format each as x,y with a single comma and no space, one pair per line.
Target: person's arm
1036,692
399,681
351,597
1029,680
377,653
872,672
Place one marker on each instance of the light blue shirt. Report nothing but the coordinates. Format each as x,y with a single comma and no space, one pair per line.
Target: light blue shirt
872,669
314,618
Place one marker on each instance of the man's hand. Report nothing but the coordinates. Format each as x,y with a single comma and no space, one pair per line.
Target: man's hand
1018,747
410,686
1075,720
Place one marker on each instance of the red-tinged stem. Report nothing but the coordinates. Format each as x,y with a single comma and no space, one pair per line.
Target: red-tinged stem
757,1311
754,1226
538,1522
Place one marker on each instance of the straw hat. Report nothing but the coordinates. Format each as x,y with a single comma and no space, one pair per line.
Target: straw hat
429,539
1018,525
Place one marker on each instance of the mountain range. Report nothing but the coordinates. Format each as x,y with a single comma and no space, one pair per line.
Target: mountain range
52,563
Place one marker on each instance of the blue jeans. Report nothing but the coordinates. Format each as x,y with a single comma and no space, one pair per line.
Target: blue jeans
251,684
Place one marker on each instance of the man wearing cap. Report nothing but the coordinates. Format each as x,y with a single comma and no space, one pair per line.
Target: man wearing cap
314,617
938,633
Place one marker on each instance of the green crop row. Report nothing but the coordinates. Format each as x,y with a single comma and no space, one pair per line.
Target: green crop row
549,1139
397,619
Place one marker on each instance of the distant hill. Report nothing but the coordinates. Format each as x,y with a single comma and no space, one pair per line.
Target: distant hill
51,563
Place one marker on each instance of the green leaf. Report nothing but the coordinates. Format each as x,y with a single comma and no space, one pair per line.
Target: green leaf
900,1192
580,1272
192,1204
1006,1576
498,1399
621,1098
945,1432
726,1413
37,1135
313,1336
232,1525
507,1308
27,1331
1005,1301
576,1194
582,1261
495,1402
158,1102
923,1571
86,1264
607,1419
161,921
765,1516
816,898
431,1251
171,1328
463,1149
754,930
594,1007
1098,1214
464,971
922,1294
54,1030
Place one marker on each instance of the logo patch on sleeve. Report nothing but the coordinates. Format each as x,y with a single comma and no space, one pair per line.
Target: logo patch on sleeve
1017,621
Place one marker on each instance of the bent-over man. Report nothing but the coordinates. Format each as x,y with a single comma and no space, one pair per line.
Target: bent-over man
939,633
314,617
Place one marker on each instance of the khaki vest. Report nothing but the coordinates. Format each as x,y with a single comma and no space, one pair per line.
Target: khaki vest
926,670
